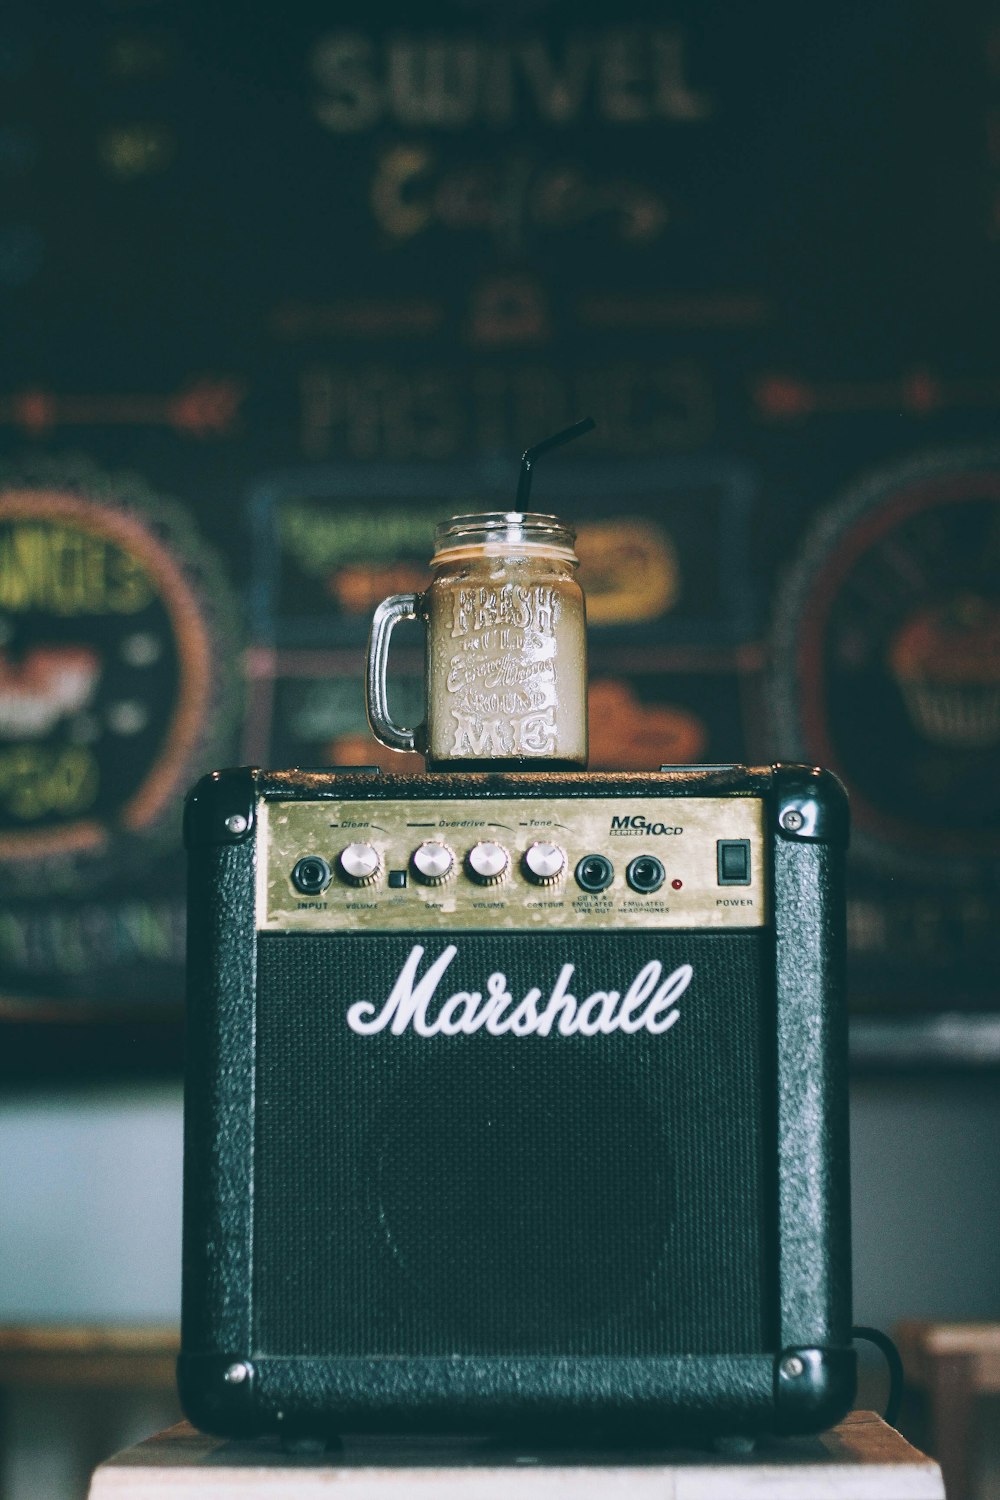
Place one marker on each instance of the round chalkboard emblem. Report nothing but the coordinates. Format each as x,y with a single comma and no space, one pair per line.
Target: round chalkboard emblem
888,661
112,622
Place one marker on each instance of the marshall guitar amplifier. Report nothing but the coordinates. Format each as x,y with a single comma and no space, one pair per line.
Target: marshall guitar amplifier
516,1100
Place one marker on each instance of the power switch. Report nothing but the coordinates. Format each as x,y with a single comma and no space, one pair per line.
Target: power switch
733,861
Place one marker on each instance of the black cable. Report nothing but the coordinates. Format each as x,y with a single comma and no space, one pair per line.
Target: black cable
884,1342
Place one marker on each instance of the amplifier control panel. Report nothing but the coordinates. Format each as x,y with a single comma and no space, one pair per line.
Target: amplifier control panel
515,863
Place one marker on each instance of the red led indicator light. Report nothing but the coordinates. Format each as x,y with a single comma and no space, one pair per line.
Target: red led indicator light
677,884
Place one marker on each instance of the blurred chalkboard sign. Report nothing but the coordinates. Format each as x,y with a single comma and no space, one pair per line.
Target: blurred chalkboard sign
664,548
290,285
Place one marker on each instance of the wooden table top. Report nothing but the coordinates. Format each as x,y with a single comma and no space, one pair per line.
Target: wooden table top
860,1459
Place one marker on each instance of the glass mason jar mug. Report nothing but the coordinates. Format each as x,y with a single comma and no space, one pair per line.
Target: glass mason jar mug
506,673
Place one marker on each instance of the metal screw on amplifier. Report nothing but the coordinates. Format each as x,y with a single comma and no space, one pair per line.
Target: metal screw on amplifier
236,1374
793,1367
792,820
237,823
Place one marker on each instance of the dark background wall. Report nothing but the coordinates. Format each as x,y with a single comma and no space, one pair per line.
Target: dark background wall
279,290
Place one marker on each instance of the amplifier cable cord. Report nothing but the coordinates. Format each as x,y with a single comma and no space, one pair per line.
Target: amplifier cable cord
883,1342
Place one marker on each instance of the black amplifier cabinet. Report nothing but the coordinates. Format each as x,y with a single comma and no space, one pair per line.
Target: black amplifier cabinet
516,1100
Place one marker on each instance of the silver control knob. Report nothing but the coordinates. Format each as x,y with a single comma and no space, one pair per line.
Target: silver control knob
487,863
544,863
360,864
432,862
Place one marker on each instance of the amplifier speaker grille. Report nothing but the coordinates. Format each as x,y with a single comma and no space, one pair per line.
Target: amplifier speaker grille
482,1195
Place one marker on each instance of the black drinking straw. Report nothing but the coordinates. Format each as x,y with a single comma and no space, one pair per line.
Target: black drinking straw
530,454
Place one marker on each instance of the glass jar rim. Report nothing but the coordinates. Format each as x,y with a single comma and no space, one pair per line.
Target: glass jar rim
504,530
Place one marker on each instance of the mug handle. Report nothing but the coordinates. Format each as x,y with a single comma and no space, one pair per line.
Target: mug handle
384,621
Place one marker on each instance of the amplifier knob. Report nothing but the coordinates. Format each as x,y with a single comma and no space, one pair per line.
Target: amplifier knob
544,863
360,863
432,862
487,863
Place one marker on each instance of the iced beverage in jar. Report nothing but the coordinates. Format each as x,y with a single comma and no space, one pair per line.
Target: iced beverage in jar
506,680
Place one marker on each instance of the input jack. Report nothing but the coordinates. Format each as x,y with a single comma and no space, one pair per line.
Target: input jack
311,875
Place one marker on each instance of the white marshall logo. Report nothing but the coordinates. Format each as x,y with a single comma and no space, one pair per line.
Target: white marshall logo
649,1004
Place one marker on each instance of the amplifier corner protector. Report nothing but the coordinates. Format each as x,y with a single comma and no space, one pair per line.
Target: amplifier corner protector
221,808
813,1388
218,1393
810,805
